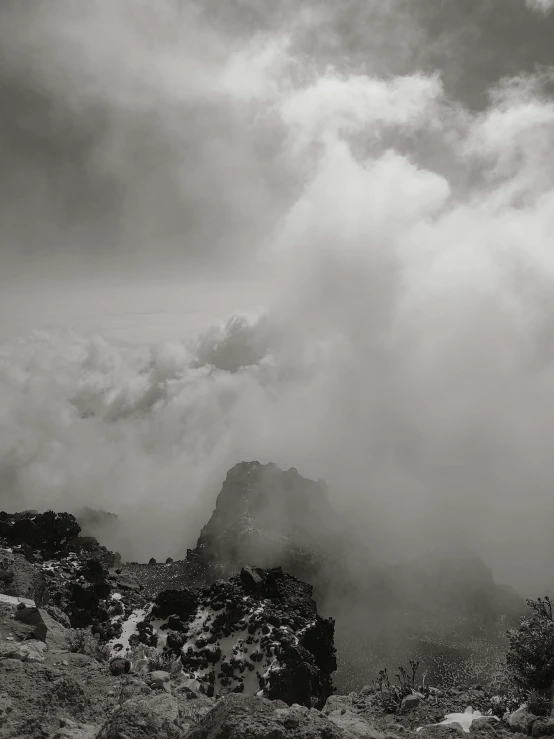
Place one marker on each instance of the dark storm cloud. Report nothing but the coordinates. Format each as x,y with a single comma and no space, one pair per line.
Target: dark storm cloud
118,150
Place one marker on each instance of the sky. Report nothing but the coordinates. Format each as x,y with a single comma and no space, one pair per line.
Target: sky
316,234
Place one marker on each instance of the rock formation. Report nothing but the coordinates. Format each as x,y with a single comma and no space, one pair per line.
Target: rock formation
267,517
258,633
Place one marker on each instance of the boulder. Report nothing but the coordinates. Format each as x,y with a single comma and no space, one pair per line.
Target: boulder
337,703
193,708
182,603
126,582
136,720
56,614
120,666
29,651
32,617
57,635
484,721
240,717
251,578
165,706
521,721
24,581
32,651
188,686
441,731
409,702
487,728
354,724
158,679
543,727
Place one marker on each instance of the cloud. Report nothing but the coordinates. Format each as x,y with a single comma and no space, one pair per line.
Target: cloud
541,6
407,355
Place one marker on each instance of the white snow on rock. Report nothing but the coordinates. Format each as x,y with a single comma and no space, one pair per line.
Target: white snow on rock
239,645
121,645
15,600
465,719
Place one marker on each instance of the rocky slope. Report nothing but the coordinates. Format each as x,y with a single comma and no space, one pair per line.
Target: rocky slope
228,643
258,633
239,658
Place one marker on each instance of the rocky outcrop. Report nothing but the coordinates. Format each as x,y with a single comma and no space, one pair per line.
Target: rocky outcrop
267,517
19,578
48,533
258,633
244,717
139,719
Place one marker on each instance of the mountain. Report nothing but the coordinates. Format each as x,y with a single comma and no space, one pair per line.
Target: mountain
444,609
268,517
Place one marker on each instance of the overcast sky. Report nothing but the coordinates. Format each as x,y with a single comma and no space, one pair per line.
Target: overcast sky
132,140
370,181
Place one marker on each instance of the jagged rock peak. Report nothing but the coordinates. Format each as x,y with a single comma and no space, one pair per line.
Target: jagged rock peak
271,495
266,516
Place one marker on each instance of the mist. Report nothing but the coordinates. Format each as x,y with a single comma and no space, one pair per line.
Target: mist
386,217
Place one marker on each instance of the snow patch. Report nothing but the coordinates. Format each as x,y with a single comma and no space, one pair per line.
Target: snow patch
465,719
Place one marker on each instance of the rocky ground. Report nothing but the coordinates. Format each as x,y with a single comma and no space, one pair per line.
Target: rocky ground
177,670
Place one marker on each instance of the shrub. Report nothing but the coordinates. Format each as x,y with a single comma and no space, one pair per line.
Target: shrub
538,703
389,695
157,660
530,656
165,661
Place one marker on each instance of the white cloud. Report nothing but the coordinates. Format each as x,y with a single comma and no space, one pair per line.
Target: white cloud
335,105
408,356
541,6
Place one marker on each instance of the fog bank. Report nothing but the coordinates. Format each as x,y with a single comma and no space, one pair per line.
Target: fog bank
404,353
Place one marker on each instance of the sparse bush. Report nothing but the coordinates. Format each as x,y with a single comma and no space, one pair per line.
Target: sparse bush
530,656
390,694
157,660
507,694
166,661
539,703
82,641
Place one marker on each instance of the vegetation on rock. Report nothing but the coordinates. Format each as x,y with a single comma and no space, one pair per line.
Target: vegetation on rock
530,657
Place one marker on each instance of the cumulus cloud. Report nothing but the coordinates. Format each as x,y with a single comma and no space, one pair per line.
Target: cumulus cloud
407,355
542,6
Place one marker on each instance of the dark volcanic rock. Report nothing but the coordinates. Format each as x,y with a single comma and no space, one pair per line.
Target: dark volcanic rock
181,603
32,617
259,632
50,533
